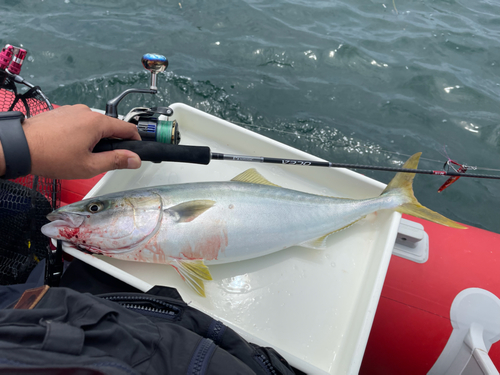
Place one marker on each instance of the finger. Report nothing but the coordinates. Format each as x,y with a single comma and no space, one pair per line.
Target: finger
116,159
114,128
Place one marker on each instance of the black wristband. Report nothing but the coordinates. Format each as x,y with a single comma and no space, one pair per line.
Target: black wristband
15,146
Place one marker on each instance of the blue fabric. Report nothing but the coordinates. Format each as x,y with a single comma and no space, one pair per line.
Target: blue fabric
11,293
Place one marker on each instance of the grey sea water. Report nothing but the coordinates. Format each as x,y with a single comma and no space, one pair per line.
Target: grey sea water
351,81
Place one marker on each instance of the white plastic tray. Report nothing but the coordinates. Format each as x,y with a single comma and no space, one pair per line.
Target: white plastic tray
315,307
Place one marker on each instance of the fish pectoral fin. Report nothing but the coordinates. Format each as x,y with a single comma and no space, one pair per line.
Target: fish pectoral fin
251,176
193,272
188,211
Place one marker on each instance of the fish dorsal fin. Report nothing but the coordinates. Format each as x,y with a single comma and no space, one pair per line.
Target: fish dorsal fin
188,211
193,272
251,176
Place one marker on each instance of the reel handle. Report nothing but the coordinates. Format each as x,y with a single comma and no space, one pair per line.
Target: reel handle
152,62
155,64
158,152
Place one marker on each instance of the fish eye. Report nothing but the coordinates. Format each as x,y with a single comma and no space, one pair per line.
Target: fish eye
95,207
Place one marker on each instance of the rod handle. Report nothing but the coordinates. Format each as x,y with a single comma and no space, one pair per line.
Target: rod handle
158,152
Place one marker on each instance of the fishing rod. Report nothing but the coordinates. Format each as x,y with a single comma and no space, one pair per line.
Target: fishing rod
160,152
161,138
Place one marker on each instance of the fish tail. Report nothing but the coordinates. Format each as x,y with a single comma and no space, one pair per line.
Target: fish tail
402,183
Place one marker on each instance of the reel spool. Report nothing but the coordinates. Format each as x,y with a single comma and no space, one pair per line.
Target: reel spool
154,124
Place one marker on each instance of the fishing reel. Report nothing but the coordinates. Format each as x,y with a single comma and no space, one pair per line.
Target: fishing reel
160,135
153,124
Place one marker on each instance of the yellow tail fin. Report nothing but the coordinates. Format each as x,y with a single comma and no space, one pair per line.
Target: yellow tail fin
403,182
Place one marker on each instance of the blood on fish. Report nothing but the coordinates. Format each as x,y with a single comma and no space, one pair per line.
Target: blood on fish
158,255
207,248
69,232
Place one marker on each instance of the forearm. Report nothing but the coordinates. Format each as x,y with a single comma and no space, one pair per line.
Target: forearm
59,144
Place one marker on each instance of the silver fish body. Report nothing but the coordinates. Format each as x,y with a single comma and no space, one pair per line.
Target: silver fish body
242,221
248,221
187,225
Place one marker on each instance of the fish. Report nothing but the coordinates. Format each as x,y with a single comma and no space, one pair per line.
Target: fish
190,226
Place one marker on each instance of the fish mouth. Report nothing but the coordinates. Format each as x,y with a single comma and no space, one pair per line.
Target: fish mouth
61,220
70,219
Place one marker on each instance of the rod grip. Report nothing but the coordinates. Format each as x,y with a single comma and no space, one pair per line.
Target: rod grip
158,152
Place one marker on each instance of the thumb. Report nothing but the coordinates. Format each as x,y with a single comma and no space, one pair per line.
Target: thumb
116,159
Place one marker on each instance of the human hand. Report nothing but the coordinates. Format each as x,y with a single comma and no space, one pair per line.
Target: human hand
61,143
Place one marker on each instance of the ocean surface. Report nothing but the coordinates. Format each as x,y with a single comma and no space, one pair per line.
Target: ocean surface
350,81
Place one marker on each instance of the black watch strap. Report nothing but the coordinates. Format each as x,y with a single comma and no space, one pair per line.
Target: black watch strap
15,146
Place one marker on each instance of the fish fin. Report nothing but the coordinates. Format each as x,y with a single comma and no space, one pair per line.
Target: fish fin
320,243
188,211
402,184
251,176
193,272
317,243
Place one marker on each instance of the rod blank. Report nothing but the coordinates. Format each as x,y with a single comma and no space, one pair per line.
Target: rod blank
314,163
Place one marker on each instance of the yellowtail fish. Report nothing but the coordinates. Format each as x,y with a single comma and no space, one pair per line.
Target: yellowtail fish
191,225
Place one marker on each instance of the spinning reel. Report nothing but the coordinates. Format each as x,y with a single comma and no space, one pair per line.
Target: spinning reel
154,124
160,135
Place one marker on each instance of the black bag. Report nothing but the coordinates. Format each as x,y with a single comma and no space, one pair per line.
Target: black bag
68,332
